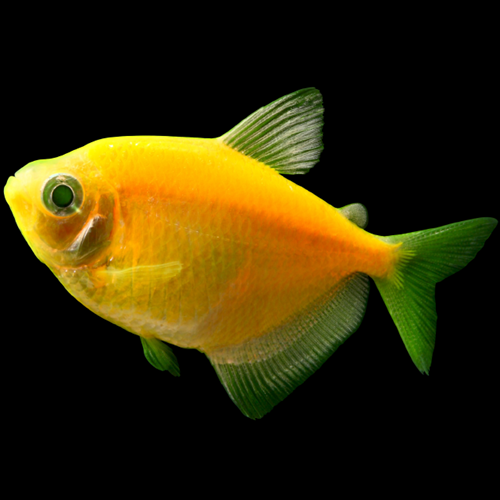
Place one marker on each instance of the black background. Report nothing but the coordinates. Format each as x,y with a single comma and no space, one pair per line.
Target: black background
407,133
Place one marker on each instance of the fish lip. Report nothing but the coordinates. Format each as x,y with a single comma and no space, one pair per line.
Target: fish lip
12,183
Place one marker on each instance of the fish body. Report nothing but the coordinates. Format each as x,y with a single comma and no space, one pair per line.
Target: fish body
202,243
235,253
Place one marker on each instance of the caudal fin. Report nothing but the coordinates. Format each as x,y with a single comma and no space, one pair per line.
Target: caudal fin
427,257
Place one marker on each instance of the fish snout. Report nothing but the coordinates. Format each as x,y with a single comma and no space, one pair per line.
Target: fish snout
9,188
18,197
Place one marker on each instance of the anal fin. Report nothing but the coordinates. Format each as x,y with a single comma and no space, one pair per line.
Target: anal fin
260,373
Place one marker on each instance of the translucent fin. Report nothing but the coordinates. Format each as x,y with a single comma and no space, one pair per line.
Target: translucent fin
286,134
427,258
356,213
262,372
160,356
142,276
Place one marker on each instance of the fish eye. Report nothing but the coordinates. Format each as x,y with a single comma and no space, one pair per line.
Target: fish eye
62,194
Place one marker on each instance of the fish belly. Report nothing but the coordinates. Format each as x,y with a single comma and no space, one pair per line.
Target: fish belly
240,277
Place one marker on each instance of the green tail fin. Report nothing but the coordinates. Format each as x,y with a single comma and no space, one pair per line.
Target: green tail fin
427,258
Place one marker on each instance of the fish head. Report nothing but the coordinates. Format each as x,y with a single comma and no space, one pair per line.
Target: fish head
64,209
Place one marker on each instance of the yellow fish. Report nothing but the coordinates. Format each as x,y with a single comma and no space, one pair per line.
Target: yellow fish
202,243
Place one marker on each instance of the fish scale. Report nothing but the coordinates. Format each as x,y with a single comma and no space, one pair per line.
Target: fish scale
202,243
215,224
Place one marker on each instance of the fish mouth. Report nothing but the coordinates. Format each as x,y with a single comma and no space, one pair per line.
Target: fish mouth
21,208
14,182
12,178
10,189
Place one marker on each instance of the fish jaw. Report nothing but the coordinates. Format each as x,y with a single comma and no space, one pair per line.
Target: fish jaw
22,194
15,192
10,189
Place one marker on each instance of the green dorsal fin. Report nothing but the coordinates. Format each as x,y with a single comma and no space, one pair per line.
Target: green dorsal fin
261,372
356,213
285,135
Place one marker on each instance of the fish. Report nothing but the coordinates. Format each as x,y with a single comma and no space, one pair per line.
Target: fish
205,244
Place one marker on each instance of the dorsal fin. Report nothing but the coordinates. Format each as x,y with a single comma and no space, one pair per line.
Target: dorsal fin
285,135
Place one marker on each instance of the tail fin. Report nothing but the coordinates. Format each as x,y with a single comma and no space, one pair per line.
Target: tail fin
427,257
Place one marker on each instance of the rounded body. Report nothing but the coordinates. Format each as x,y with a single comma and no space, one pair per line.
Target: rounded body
250,248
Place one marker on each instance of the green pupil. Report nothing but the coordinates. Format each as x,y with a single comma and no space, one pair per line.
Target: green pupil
62,196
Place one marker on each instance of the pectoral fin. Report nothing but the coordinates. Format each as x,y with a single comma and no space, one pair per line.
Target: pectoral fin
141,277
160,356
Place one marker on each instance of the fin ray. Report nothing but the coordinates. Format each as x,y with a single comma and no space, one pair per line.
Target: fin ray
428,257
142,276
285,135
160,355
261,372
